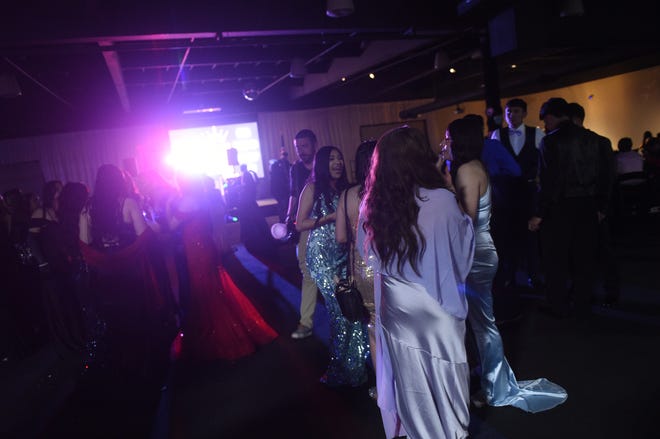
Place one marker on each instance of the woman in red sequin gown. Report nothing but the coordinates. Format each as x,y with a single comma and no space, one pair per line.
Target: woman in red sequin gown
220,322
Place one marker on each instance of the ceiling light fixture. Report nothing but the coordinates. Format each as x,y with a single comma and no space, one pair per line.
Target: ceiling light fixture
250,93
298,69
372,76
339,8
452,70
203,110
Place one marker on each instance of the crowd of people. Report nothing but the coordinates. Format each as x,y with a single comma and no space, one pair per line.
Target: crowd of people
426,257
129,278
430,234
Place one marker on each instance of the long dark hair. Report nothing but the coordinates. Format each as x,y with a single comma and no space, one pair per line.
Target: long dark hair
467,142
320,176
48,194
363,163
403,162
106,207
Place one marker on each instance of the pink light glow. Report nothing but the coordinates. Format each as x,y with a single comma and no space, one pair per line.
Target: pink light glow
204,150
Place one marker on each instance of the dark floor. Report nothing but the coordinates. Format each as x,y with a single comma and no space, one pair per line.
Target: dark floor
607,367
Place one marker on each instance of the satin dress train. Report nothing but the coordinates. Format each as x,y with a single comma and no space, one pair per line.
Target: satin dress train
221,322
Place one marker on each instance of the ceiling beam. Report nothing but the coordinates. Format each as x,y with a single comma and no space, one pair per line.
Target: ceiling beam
178,73
33,79
376,53
111,58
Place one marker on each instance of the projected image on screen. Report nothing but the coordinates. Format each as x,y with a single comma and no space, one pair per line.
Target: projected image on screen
217,150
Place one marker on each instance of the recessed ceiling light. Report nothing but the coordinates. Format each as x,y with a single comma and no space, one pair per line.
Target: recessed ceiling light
343,79
372,76
513,66
452,70
203,110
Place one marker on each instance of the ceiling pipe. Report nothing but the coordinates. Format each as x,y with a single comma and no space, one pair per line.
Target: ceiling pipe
438,64
288,74
181,66
33,79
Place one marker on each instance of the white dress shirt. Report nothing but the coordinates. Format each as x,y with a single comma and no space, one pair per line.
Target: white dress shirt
517,137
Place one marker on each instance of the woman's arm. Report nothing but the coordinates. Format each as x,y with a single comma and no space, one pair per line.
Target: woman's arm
468,188
84,229
37,214
134,212
172,220
305,205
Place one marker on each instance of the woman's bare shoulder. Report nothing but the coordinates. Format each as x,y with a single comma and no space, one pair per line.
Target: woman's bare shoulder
309,186
353,195
130,204
471,169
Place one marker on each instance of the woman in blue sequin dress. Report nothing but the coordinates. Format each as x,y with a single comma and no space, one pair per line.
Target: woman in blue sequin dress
326,260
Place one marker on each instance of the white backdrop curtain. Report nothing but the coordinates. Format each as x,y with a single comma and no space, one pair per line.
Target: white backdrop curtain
337,126
76,156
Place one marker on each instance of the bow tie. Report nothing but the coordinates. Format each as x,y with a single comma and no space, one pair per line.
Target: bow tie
516,132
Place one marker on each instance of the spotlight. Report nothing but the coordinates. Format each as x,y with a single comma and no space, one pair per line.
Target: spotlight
250,93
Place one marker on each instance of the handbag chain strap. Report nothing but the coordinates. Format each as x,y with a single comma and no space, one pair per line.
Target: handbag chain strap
349,236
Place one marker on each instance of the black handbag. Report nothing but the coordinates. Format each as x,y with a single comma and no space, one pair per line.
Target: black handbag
348,296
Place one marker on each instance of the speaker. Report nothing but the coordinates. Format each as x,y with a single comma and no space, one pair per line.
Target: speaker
232,156
525,26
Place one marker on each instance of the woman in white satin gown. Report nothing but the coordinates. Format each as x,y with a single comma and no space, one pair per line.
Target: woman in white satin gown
422,245
498,383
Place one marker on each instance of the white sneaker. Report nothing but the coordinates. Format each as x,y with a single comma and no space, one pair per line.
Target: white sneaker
301,331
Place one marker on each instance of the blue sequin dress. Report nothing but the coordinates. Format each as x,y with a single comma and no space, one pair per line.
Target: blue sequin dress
349,345
498,382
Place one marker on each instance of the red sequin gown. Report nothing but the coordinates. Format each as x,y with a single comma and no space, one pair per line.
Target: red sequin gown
220,322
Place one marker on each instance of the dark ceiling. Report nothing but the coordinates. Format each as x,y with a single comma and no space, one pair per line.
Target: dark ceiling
88,64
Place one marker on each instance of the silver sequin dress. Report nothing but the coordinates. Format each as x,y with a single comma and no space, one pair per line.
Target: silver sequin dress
349,346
